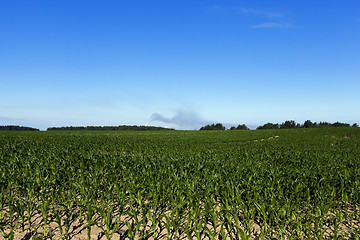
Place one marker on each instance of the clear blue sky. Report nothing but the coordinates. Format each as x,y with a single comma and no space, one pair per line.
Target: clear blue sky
110,62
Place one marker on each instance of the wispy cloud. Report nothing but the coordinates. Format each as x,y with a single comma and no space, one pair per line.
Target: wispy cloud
272,18
260,12
274,25
266,13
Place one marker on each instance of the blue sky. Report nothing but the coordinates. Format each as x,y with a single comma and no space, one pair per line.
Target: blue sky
185,63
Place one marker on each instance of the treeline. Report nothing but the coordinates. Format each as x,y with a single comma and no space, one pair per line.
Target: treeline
17,128
116,128
307,124
219,126
285,125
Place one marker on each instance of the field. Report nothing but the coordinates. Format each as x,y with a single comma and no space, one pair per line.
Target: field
263,184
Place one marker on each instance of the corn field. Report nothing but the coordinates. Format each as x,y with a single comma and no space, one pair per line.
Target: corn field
270,184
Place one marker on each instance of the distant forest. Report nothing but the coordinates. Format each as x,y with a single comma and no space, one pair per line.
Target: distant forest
122,127
218,126
307,124
17,128
285,125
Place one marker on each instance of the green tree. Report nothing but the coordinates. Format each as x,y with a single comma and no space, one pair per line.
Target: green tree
339,124
288,124
268,126
324,124
217,126
308,124
242,127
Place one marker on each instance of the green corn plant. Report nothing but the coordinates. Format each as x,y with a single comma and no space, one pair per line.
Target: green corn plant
90,214
109,223
189,224
57,214
68,218
214,221
153,216
20,208
199,231
130,229
263,216
45,207
222,233
167,224
30,208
